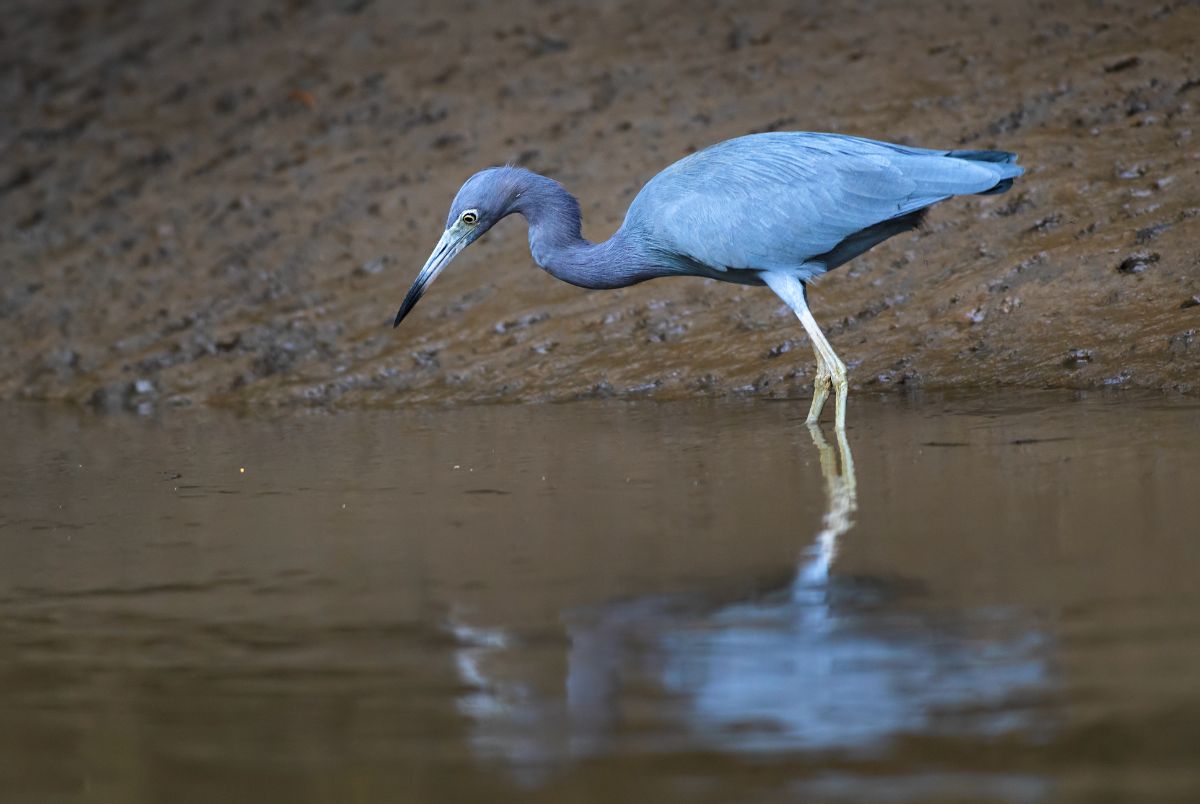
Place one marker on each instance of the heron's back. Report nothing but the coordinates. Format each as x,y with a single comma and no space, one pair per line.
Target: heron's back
801,202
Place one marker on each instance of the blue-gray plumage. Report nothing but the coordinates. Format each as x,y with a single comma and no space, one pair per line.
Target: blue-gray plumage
777,209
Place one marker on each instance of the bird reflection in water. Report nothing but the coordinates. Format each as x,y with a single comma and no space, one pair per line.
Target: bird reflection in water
819,662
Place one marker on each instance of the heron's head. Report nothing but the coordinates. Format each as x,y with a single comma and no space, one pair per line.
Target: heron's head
481,202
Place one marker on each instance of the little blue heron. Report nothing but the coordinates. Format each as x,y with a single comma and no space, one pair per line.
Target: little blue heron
776,209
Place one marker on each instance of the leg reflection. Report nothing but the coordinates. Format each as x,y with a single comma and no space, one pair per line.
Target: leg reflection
841,501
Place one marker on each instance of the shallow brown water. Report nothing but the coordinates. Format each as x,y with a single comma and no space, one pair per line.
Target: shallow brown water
603,602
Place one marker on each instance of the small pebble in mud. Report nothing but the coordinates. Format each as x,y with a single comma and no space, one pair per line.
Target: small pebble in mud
1077,357
1192,302
1137,263
1031,262
1178,344
426,358
1144,236
539,44
520,323
1126,63
371,267
782,348
1045,224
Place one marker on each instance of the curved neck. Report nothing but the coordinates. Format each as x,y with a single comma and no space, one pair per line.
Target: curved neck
558,246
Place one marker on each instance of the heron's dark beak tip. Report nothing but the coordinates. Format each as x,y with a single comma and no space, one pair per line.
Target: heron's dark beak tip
410,301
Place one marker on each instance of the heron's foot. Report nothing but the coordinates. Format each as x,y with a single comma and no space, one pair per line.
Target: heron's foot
821,385
841,387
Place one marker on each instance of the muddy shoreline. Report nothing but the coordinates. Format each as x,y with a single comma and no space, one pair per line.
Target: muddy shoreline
225,203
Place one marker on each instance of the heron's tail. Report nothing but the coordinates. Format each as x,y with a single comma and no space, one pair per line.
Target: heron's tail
1007,168
1003,157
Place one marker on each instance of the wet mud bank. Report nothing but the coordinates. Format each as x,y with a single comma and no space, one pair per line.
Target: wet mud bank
225,202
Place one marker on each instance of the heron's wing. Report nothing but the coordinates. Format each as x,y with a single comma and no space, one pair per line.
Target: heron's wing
782,200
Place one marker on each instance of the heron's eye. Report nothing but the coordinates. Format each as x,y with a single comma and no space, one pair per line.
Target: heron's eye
470,217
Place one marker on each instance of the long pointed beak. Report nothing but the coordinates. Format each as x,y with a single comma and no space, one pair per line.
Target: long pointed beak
453,241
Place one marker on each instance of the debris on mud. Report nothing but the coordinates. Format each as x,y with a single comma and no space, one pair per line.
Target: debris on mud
1077,357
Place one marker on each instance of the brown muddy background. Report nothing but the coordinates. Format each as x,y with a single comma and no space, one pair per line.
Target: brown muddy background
226,201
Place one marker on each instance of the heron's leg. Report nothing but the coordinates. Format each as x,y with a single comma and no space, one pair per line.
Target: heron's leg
791,290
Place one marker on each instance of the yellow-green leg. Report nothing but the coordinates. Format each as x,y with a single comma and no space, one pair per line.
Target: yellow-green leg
830,369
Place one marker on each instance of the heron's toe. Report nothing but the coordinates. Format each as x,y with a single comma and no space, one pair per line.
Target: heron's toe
822,385
841,388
